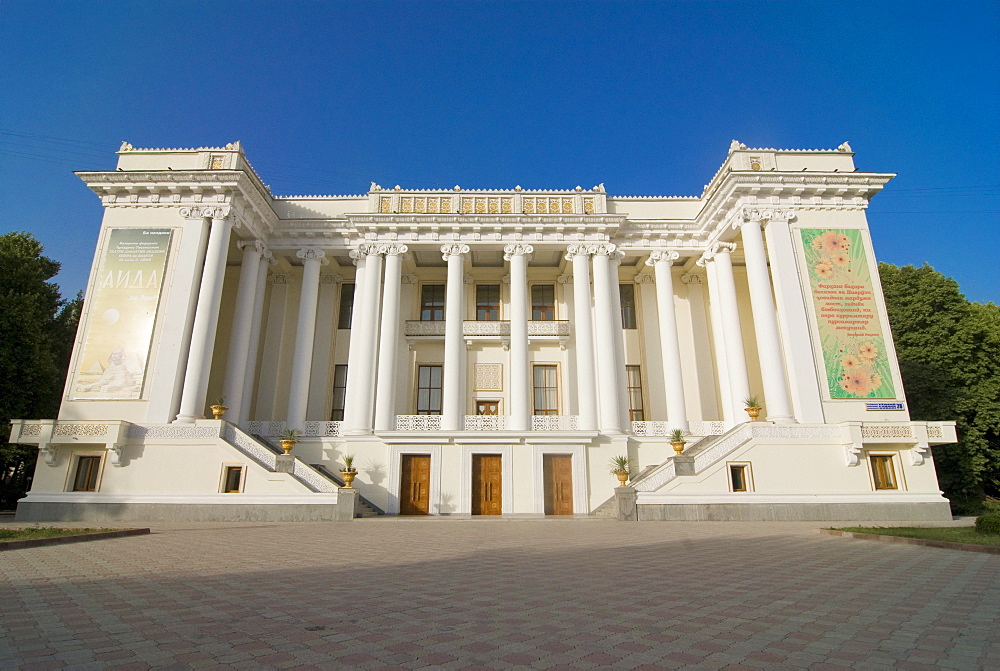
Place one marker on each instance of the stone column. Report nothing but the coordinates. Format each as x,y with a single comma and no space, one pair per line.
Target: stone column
719,344
320,380
355,376
274,341
736,362
206,319
793,322
619,335
765,321
520,385
388,347
360,387
453,393
255,328
583,326
305,333
670,348
239,338
608,323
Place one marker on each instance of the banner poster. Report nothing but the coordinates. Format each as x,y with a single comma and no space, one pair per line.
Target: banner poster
121,315
846,315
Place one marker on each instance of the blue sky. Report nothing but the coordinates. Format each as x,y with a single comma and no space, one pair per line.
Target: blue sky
643,96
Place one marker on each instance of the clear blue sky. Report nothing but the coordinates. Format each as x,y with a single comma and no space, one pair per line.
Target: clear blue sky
643,96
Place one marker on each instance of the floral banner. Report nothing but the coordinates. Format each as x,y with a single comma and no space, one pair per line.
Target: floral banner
846,315
121,315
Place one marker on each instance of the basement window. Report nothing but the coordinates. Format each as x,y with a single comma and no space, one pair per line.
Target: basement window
232,479
88,468
739,477
883,472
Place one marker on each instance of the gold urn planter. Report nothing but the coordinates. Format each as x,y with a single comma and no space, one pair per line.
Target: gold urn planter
754,413
621,468
287,445
288,439
348,477
677,441
622,478
218,411
752,403
678,445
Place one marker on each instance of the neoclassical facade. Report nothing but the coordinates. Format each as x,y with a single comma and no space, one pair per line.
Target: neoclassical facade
484,351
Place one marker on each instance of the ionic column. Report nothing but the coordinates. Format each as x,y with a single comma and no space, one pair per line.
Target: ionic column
453,393
669,343
206,319
274,343
239,338
355,376
388,347
520,386
619,333
765,321
732,332
305,333
583,326
361,394
793,323
608,325
256,326
725,395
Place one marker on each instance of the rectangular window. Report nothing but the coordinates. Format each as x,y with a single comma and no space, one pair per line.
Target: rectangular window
627,292
232,480
883,473
545,390
738,477
87,469
346,306
635,413
339,392
432,303
429,390
543,302
488,302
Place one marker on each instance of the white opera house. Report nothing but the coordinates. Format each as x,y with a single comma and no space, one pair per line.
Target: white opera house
484,352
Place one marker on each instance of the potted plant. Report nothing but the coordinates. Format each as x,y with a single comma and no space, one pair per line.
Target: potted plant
752,403
621,467
288,439
677,440
219,409
348,472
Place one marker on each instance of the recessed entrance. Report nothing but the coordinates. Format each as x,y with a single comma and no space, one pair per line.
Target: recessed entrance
415,484
558,476
487,482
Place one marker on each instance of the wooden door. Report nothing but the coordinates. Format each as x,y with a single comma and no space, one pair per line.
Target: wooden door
487,407
558,476
415,485
486,484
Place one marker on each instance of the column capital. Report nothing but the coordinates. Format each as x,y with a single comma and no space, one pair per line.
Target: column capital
410,279
762,215
279,278
393,249
201,212
644,279
254,244
573,251
693,278
468,279
717,248
448,251
668,255
331,279
517,249
602,249
564,279
312,254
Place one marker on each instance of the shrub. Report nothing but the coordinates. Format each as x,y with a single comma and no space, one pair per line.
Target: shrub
988,524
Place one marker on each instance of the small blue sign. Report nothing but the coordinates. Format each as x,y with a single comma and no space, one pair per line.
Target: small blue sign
883,406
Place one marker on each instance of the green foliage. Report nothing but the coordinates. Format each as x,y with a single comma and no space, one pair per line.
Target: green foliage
37,328
948,350
752,401
988,523
620,464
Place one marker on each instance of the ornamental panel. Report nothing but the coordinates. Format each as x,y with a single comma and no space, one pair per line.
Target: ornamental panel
489,377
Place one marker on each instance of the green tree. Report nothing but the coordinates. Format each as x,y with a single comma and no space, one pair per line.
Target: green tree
949,357
37,328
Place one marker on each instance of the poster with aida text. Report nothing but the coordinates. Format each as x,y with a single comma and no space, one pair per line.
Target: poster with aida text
846,315
121,315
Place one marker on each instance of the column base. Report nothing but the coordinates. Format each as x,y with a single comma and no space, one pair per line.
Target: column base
187,419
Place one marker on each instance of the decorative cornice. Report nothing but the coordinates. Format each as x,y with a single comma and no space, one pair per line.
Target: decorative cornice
204,212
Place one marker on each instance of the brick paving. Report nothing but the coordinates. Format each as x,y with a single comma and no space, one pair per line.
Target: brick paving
395,593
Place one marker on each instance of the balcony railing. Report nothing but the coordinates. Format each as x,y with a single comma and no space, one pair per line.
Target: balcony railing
664,428
274,429
494,329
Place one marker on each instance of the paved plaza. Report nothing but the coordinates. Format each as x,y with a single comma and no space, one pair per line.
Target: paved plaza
462,593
